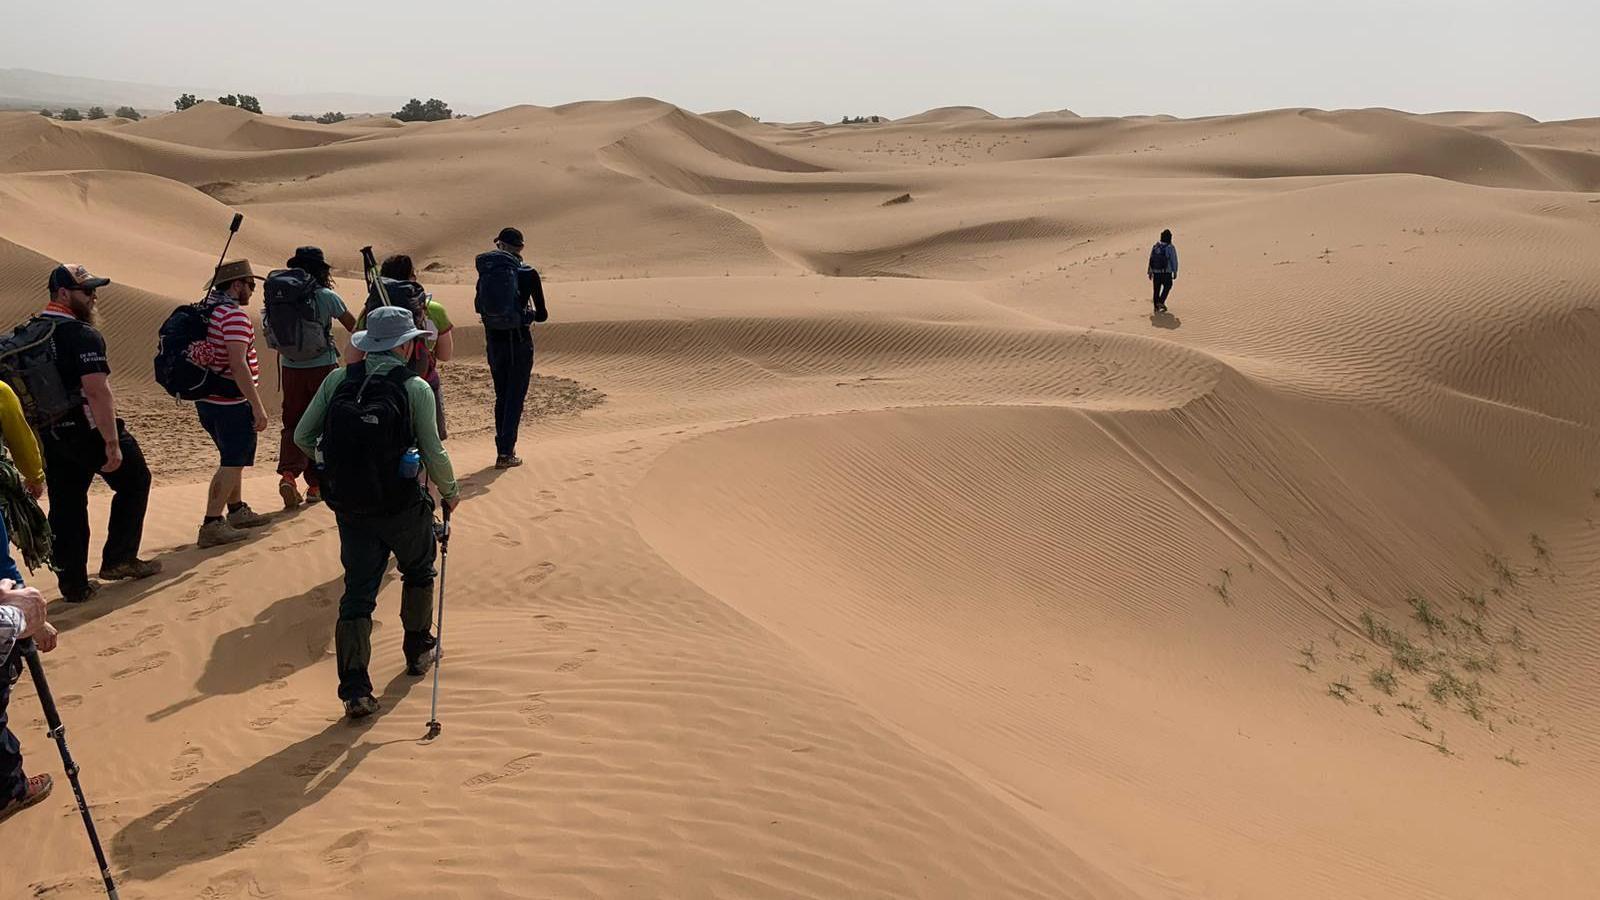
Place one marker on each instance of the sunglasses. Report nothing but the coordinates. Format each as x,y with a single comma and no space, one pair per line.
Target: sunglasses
89,292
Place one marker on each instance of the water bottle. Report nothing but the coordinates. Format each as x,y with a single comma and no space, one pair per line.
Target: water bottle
410,463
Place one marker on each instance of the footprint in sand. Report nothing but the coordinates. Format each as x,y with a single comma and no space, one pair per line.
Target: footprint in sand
539,573
505,540
214,606
149,663
70,701
234,883
149,633
187,765
347,850
190,596
577,662
514,767
551,624
277,675
580,477
537,711
544,516
279,548
272,715
317,761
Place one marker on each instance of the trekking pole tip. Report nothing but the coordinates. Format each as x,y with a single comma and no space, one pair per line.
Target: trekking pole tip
433,730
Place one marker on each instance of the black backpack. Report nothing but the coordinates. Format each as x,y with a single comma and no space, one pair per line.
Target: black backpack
289,312
499,298
176,372
28,365
406,295
368,430
1158,258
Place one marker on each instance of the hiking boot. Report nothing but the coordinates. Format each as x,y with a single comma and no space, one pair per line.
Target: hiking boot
81,595
313,494
418,663
361,707
510,461
39,787
215,534
289,493
245,517
130,570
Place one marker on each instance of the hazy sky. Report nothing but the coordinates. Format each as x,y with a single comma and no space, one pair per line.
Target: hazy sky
822,59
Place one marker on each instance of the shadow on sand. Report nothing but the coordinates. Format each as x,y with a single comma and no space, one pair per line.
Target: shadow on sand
1166,320
238,809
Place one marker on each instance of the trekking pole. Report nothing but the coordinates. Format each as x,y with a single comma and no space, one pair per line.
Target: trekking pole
438,661
233,229
58,731
374,283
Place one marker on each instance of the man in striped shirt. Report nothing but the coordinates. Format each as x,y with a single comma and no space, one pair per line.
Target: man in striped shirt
232,418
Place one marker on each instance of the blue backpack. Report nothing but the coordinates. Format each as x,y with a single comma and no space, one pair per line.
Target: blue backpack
1159,261
499,299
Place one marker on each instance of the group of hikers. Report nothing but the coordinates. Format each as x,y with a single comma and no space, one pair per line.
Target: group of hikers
365,436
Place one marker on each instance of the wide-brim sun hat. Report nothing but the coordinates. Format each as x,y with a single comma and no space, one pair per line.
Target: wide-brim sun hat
387,328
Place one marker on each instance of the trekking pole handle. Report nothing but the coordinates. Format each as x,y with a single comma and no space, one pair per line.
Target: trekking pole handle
238,219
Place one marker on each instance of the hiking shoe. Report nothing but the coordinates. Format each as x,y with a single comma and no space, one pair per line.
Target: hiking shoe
313,494
129,570
215,534
361,707
289,493
39,787
80,595
418,664
245,517
510,461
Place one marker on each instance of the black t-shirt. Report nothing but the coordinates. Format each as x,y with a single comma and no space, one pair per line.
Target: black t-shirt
80,351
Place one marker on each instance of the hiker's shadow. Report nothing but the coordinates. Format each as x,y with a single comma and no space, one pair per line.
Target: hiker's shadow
1166,320
477,484
178,567
236,810
291,634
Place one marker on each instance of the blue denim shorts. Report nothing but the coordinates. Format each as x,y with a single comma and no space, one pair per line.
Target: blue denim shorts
232,427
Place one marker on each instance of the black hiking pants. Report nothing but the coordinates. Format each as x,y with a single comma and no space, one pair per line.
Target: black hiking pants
365,544
511,365
1161,284
73,455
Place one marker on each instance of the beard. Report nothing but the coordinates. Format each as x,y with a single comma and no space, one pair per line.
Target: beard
83,309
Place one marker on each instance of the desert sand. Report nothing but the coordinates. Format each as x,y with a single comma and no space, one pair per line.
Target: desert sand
872,549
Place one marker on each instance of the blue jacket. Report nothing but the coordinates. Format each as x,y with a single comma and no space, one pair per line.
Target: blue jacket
1172,261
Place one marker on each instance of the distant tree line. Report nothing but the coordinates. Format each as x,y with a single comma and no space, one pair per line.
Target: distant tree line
71,114
242,101
860,120
434,110
327,118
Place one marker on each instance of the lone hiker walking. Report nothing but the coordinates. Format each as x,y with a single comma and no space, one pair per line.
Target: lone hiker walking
59,366
299,313
510,297
234,418
368,424
1163,269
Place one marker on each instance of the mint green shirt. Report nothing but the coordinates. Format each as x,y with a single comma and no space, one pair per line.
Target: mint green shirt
329,306
424,427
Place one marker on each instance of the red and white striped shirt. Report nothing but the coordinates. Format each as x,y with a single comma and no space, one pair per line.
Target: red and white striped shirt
229,324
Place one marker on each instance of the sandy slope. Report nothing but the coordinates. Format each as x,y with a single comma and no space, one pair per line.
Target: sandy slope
882,549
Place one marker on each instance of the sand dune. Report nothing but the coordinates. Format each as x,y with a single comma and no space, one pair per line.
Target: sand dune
876,541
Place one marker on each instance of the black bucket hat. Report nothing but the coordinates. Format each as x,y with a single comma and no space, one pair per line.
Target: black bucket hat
309,259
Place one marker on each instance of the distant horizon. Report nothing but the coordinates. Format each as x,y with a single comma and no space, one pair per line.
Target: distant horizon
288,105
829,58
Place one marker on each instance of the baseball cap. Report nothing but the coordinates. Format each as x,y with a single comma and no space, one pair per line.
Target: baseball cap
75,277
510,236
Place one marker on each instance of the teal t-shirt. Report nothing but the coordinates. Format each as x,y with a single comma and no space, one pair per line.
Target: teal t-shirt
329,307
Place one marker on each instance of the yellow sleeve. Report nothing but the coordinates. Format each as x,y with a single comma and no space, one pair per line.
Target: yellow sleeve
19,437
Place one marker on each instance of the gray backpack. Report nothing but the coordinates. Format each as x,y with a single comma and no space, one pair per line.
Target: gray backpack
28,366
290,315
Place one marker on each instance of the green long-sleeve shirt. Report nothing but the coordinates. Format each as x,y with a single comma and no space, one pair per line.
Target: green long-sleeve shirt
424,427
